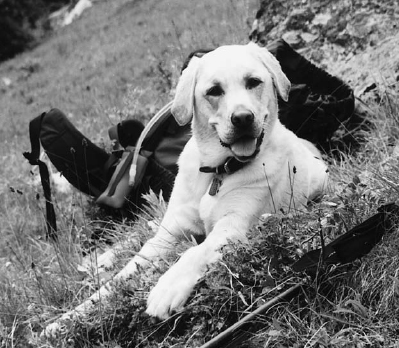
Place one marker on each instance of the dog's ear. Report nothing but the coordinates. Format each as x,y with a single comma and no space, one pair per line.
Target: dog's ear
183,103
280,81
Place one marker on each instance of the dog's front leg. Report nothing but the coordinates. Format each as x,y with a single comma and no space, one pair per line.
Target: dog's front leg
178,220
176,285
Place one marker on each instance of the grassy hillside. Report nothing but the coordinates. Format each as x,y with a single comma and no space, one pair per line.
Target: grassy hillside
87,68
122,59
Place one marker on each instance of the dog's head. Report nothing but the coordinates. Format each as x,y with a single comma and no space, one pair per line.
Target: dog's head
232,94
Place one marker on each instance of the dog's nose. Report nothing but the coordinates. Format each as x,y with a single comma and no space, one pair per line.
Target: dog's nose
242,119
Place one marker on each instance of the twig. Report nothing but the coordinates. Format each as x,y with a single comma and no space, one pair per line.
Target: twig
233,330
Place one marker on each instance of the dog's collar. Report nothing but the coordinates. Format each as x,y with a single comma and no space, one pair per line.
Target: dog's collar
230,166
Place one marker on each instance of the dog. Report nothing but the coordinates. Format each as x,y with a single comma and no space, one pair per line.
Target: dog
240,163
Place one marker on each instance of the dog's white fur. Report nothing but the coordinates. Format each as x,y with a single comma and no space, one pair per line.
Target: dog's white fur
286,172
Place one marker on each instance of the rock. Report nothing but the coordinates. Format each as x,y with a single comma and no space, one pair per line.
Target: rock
343,38
321,19
308,37
317,56
355,40
293,38
299,19
362,25
348,39
6,81
372,72
335,26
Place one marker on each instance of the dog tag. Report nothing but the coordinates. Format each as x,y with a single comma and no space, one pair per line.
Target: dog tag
215,185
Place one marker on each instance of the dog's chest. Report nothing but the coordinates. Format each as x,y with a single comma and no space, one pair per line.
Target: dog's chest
209,202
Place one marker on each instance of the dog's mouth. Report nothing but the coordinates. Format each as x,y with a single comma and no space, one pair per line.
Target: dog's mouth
245,148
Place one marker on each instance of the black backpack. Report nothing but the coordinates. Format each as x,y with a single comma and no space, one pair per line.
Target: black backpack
74,155
318,104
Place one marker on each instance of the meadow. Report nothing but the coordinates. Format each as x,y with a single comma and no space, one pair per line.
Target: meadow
121,60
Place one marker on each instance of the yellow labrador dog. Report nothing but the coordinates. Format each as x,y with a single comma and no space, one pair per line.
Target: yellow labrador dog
240,163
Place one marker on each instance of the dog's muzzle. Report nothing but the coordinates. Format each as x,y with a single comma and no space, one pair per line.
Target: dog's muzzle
245,137
243,142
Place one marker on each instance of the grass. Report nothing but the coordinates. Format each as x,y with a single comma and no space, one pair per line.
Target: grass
121,60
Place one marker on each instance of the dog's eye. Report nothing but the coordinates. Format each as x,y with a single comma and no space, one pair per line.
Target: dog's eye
215,91
253,82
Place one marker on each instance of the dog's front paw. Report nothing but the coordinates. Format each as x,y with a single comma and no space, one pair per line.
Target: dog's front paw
172,291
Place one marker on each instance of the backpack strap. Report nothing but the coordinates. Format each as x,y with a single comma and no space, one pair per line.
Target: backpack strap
118,189
148,131
33,158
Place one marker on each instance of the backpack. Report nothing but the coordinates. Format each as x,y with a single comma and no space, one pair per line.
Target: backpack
74,155
100,174
318,104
